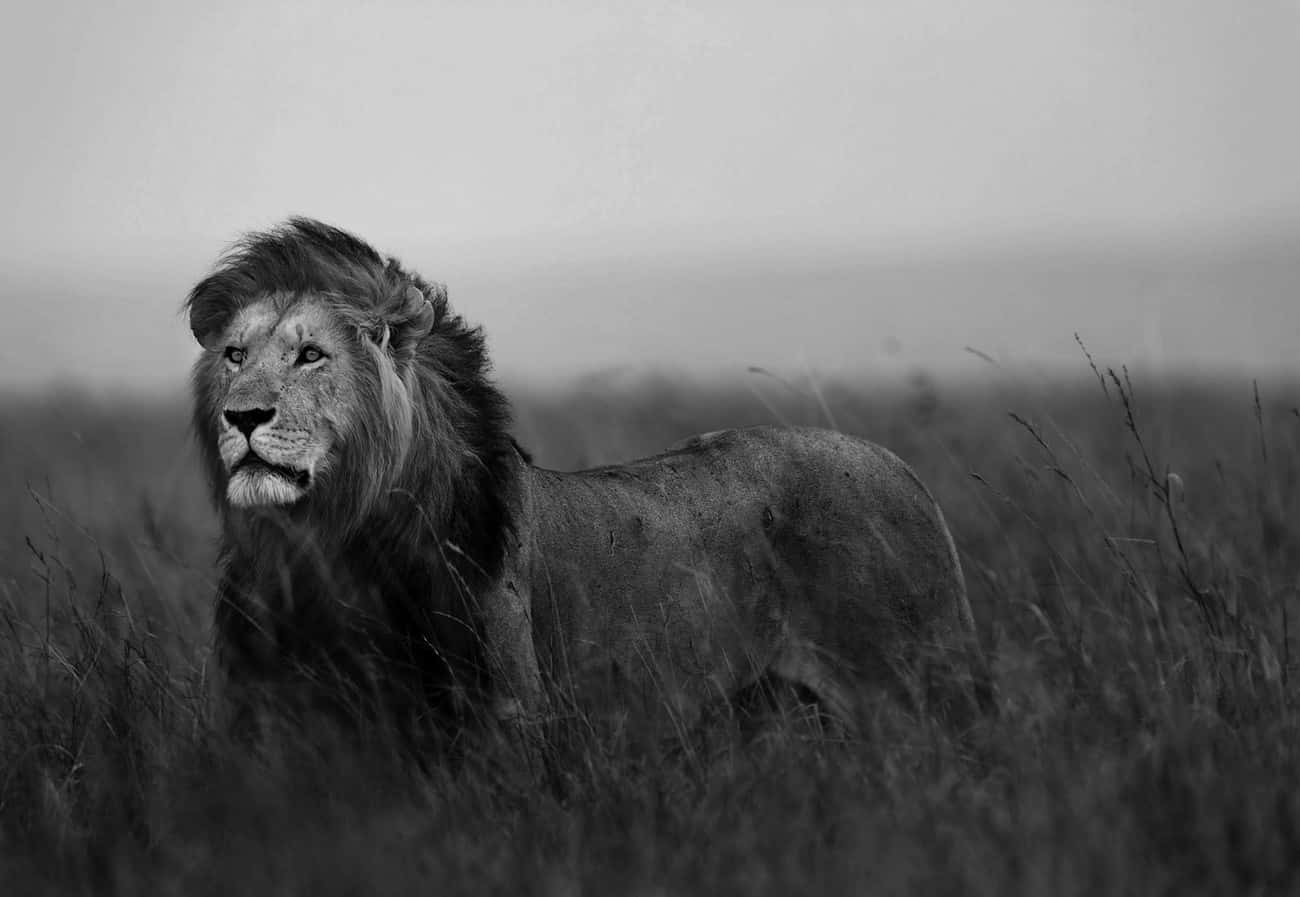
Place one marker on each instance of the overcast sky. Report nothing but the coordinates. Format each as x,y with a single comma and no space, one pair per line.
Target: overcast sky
695,183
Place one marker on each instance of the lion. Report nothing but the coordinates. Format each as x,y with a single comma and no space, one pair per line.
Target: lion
387,543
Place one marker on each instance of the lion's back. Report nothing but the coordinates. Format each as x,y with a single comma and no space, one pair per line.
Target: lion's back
821,473
823,492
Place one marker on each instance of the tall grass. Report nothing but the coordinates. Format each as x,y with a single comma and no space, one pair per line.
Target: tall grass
1132,554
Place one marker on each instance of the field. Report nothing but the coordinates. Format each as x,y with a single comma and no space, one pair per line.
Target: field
1132,549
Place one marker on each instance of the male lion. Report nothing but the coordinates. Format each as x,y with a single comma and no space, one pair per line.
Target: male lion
385,540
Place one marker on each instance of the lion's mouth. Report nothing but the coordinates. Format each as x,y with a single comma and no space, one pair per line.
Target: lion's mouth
254,463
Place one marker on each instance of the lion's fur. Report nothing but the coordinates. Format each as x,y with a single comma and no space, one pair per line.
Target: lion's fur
431,566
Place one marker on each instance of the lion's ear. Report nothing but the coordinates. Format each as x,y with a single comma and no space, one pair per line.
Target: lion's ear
419,310
401,331
208,318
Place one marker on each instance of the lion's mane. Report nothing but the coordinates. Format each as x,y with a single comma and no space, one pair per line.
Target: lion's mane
377,574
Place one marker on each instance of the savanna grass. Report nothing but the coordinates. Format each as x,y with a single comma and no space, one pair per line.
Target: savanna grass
1132,554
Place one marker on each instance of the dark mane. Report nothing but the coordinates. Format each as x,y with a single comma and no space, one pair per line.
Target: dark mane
375,586
298,257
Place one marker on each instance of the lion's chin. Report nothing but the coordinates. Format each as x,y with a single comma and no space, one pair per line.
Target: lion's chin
258,486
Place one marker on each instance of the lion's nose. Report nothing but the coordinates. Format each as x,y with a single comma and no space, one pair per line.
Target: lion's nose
250,419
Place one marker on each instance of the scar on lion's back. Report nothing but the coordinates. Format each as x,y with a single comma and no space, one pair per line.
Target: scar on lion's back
699,444
699,440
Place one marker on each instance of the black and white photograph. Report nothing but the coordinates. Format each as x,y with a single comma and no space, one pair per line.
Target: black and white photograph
650,448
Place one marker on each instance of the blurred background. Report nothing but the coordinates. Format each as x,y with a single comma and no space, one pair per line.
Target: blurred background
840,189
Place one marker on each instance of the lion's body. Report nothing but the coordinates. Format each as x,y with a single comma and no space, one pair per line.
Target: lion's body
802,554
384,536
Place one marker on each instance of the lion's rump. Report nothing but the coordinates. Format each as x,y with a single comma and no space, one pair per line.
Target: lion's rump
691,572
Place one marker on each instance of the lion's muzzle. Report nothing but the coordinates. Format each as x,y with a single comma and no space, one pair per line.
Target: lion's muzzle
264,463
248,420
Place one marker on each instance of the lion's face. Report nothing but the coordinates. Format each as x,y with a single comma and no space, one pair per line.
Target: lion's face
284,395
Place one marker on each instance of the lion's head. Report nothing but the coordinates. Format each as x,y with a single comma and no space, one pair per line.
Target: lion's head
330,378
288,389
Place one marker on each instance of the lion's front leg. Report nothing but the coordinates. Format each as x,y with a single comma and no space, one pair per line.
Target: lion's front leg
516,693
245,659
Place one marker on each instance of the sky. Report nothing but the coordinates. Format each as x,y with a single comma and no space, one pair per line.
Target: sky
685,185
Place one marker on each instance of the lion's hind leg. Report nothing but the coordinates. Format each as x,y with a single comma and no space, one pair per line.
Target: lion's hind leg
798,686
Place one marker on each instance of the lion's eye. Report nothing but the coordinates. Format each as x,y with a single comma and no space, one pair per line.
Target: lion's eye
234,355
310,355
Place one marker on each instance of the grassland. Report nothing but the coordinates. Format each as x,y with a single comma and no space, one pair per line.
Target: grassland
1133,556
